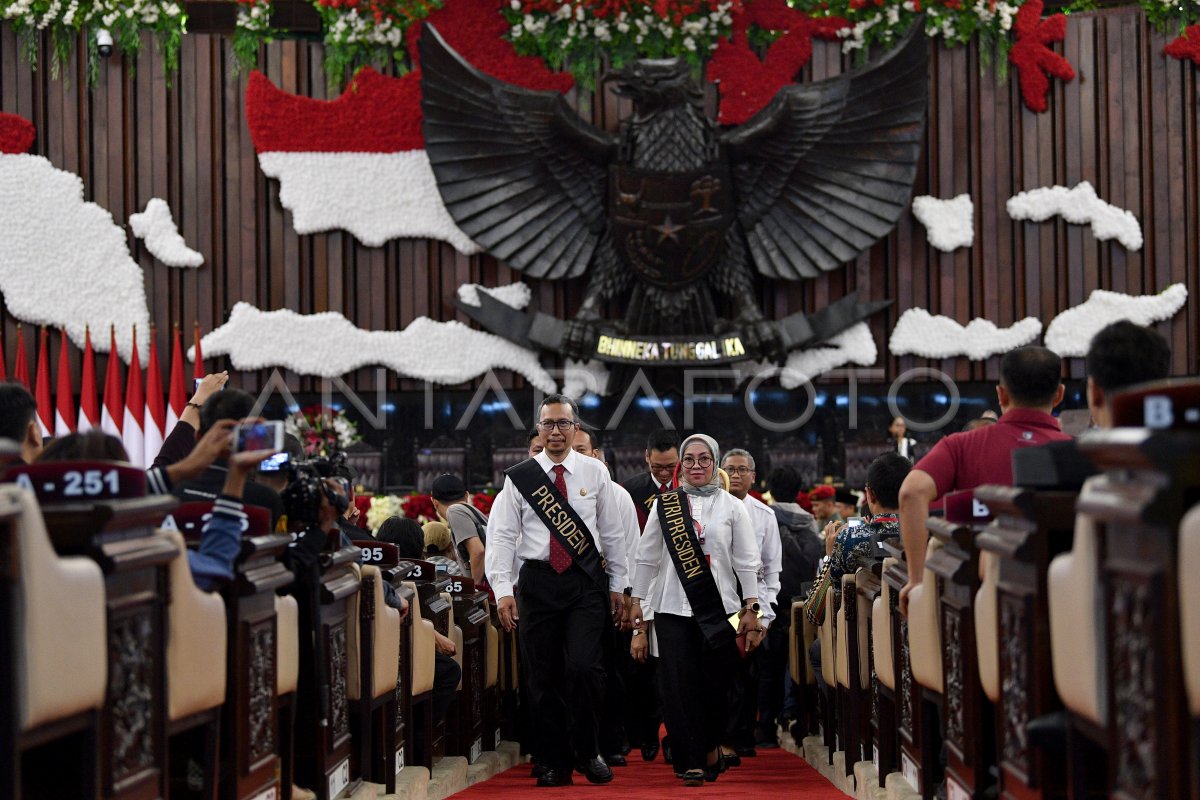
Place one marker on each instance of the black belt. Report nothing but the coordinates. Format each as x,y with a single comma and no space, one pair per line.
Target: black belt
543,566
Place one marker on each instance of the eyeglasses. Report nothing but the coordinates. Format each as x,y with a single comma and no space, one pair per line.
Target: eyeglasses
704,461
550,424
738,470
661,467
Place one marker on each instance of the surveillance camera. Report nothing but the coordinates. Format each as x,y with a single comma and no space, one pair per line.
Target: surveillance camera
104,42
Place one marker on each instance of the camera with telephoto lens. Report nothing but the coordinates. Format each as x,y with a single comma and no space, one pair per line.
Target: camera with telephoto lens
307,484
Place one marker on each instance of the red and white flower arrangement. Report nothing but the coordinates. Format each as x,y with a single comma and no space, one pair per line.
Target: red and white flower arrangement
322,431
588,36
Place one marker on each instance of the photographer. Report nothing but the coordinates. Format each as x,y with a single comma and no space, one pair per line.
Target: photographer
220,541
223,407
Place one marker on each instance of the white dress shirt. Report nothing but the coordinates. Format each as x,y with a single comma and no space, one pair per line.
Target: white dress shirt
514,529
766,532
629,524
728,541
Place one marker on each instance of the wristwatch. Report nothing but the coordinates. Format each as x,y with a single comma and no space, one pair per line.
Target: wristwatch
755,607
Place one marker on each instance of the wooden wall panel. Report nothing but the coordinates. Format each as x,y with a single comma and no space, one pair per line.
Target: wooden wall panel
1128,124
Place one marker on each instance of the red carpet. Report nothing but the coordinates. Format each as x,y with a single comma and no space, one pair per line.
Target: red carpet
771,775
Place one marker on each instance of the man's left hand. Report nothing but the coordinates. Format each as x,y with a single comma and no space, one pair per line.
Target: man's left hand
616,603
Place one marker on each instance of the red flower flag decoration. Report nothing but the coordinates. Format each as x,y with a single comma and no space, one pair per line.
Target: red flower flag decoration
64,395
1186,46
155,429
112,414
747,84
1032,56
21,365
89,406
41,392
177,401
133,430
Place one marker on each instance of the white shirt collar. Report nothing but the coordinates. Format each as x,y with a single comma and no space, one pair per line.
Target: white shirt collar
569,462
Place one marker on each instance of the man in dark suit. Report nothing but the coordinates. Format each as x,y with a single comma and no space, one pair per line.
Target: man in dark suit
236,405
662,455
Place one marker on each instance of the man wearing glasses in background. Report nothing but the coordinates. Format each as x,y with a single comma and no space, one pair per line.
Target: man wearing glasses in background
741,735
559,514
662,456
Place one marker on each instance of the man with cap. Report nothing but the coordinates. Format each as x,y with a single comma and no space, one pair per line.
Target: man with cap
846,503
823,507
559,513
468,525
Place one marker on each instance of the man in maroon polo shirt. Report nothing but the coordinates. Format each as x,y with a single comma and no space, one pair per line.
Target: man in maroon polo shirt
1030,386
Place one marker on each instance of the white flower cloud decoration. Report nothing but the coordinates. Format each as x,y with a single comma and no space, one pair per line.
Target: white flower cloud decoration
949,224
1079,206
855,345
920,333
328,345
64,262
157,229
1071,332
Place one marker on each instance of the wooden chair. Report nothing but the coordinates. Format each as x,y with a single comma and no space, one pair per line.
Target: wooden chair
968,718
196,679
925,657
808,459
287,660
368,466
100,510
471,618
418,701
917,729
804,682
322,724
857,457
830,705
433,594
1014,631
434,461
1151,479
1189,622
372,672
885,719
854,669
53,664
491,685
251,739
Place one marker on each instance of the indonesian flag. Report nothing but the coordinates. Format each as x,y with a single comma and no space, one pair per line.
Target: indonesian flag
177,401
89,408
64,409
156,410
358,163
112,415
45,406
135,411
21,366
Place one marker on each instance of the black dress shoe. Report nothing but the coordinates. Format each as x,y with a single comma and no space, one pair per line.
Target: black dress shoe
616,760
594,769
745,752
555,777
666,749
538,771
650,751
731,759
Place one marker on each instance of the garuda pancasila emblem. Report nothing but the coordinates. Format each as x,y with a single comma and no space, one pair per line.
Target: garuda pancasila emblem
671,216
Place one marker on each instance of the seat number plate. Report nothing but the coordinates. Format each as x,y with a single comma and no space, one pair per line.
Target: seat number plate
911,772
339,779
399,759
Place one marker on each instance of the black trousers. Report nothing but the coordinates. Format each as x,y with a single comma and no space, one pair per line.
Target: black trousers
562,620
446,675
743,702
643,711
694,681
612,717
772,667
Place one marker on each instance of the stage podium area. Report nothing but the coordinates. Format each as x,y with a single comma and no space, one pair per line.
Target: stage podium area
1052,646
123,679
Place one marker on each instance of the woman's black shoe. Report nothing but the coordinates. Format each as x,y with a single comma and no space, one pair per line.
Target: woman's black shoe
555,777
731,759
650,751
694,777
713,770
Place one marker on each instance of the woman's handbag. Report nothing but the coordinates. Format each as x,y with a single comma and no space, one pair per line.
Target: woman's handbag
814,604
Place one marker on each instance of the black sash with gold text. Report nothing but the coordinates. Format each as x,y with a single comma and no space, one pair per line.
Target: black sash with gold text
692,567
563,521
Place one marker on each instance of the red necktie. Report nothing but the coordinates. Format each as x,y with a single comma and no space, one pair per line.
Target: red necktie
662,488
560,558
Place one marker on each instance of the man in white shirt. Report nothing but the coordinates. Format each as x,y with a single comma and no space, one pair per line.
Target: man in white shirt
562,608
739,466
616,655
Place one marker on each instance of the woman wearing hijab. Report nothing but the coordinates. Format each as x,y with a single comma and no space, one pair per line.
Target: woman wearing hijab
698,547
